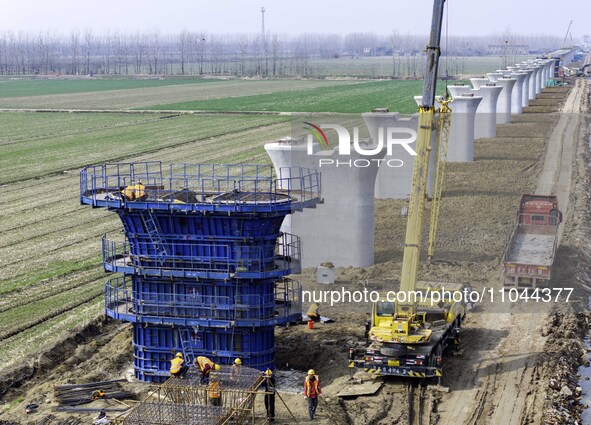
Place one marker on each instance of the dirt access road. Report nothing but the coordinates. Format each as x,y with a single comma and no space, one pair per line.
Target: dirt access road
501,386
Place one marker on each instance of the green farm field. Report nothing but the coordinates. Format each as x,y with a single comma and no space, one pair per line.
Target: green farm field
353,98
20,87
144,97
376,66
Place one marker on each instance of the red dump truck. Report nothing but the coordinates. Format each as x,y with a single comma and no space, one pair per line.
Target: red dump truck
529,256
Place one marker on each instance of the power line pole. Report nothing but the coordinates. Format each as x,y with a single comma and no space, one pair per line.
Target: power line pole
264,41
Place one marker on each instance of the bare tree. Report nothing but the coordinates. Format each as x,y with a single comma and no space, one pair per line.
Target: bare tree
394,37
154,50
183,47
75,51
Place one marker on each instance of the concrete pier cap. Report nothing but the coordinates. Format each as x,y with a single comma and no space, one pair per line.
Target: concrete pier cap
485,123
458,89
461,134
494,76
346,218
395,182
504,101
504,72
477,82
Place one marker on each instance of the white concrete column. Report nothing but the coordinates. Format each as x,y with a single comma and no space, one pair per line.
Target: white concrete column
542,65
504,101
552,69
517,92
394,182
538,78
544,73
532,82
461,135
525,88
340,230
485,122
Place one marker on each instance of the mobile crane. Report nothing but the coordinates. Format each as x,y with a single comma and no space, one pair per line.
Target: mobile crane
407,337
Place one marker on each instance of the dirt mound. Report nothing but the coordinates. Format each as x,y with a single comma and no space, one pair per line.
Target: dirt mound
563,354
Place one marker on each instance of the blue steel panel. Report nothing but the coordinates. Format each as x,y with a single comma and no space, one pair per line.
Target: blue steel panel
155,346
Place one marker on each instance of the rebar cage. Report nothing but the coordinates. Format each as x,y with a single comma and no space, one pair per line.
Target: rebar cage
227,397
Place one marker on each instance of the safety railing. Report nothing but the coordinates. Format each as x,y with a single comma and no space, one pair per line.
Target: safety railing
283,255
212,184
284,303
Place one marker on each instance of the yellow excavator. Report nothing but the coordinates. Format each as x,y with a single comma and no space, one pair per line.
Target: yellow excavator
408,334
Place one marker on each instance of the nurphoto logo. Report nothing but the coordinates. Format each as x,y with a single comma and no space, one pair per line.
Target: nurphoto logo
388,138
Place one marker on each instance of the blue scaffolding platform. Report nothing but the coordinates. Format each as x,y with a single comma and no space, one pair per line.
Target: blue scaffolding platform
203,260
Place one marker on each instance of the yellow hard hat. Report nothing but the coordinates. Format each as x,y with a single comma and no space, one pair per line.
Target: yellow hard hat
238,361
311,372
268,372
217,367
179,355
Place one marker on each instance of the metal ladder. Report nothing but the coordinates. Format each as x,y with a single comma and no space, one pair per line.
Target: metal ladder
186,346
154,233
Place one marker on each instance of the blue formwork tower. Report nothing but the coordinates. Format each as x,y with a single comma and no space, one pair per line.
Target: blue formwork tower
203,261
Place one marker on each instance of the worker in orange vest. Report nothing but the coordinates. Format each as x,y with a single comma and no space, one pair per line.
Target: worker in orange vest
205,365
312,391
214,392
178,368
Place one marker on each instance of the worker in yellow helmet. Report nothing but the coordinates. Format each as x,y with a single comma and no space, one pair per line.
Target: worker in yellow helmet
135,192
313,312
178,368
98,394
270,394
205,365
236,370
312,391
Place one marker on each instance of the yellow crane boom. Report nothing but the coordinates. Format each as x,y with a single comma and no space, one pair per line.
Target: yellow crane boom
418,194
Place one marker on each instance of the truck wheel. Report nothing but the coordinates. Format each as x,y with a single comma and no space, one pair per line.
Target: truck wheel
437,352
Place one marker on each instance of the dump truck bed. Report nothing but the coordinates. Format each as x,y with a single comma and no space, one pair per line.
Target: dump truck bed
536,249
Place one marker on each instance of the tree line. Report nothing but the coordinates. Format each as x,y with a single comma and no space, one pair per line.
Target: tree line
243,55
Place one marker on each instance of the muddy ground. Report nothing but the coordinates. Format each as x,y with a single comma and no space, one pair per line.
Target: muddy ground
512,356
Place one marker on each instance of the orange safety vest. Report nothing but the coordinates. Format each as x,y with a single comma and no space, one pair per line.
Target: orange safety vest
176,364
312,388
203,361
214,390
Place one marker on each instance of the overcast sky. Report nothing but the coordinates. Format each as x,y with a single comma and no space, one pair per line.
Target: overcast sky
466,17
